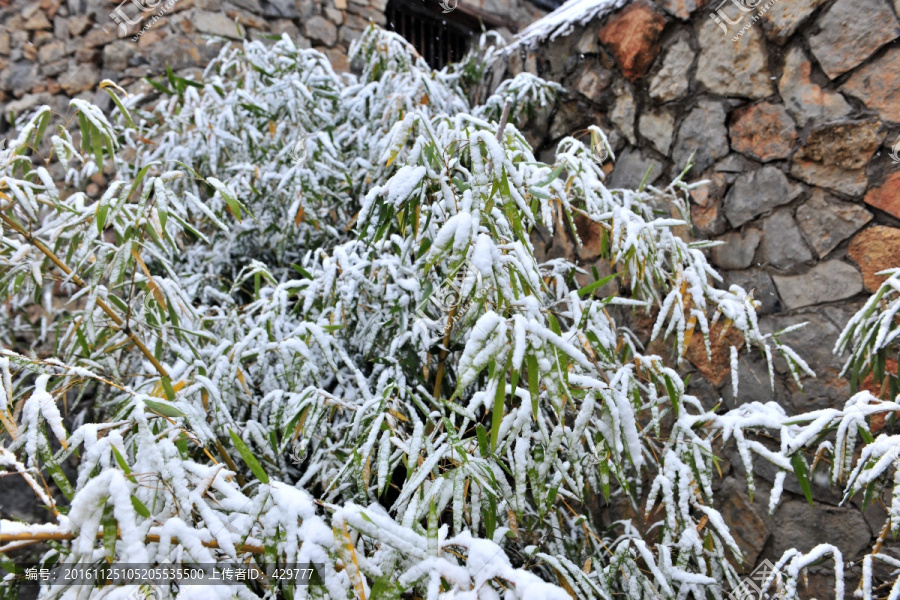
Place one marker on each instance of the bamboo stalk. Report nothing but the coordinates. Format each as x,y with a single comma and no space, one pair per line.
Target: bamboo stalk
439,375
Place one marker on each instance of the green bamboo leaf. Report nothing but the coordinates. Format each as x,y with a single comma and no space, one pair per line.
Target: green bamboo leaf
139,507
120,106
62,482
802,477
481,433
102,210
161,408
497,415
121,460
248,457
589,289
533,389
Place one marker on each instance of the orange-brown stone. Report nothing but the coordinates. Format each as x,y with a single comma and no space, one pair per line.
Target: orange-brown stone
882,390
717,369
875,249
764,131
886,196
632,35
591,234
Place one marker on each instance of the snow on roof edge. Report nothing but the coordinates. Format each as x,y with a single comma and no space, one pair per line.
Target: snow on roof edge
565,18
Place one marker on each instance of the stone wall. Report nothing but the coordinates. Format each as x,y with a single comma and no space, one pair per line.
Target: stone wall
792,122
52,50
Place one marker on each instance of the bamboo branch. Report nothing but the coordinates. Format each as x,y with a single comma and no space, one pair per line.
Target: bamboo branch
503,119
439,375
80,282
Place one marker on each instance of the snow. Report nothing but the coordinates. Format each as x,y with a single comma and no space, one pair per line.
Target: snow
563,20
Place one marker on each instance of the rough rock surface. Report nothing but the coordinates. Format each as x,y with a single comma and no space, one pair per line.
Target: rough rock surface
783,18
658,127
757,192
671,81
828,281
763,131
875,249
782,244
733,68
633,37
878,85
886,196
738,250
718,369
804,99
804,528
845,40
703,134
826,222
835,155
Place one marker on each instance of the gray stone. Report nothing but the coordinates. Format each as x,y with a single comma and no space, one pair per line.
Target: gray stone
19,77
746,527
754,384
828,281
851,182
760,283
733,68
782,244
827,222
285,9
734,165
702,133
51,52
117,55
805,100
623,110
55,68
850,31
658,127
783,18
592,81
218,24
671,82
630,168
334,15
176,52
738,250
765,472
680,8
60,28
757,192
814,341
570,115
588,43
282,26
321,30
251,5
78,24
25,104
802,526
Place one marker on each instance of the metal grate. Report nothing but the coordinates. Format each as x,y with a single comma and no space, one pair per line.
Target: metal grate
439,38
